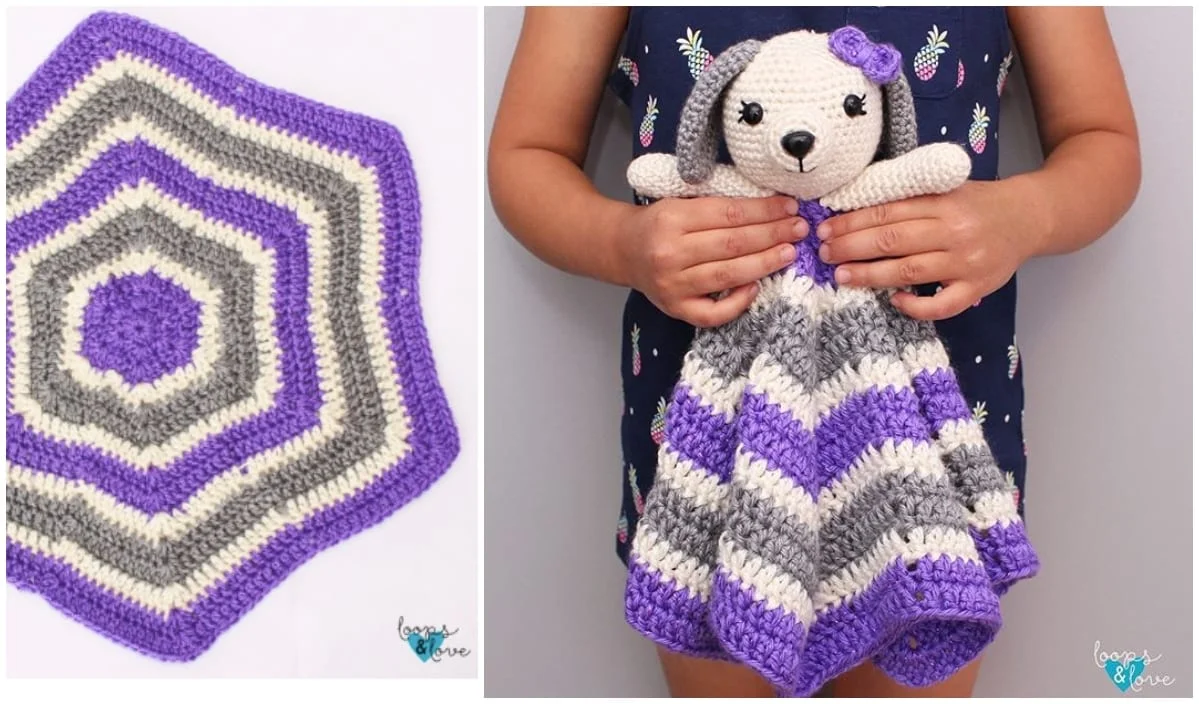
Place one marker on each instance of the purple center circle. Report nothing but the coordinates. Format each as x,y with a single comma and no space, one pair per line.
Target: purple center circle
142,326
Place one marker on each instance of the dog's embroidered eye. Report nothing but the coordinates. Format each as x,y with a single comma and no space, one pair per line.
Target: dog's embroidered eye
855,105
751,113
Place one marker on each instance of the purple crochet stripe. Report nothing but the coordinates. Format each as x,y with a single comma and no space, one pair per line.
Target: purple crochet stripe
434,439
771,433
863,421
668,614
877,621
769,640
104,34
708,440
940,397
807,258
699,434
298,403
1006,553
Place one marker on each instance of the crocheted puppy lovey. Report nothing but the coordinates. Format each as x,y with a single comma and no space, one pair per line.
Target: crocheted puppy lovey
823,495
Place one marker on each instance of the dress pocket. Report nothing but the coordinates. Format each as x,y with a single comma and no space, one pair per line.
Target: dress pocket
929,39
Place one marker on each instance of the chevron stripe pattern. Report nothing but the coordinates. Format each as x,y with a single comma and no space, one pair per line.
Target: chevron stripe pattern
824,495
217,360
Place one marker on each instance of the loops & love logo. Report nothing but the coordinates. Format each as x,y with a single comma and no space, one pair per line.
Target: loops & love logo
1127,669
428,642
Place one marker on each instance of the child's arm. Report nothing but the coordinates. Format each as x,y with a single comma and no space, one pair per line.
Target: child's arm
1085,121
676,252
540,139
974,238
927,170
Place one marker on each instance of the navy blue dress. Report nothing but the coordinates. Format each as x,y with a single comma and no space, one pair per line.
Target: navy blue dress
956,60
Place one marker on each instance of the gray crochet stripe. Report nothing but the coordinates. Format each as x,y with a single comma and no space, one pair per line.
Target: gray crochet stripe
779,328
973,471
847,336
850,335
233,375
787,336
753,523
364,421
893,502
908,331
106,105
727,349
73,520
676,518
695,146
764,529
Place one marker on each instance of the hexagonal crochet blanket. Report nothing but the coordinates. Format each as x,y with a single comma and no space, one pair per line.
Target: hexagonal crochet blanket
217,364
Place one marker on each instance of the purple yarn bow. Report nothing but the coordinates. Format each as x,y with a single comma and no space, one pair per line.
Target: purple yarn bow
880,62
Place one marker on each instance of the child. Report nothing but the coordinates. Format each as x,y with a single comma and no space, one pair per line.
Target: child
960,250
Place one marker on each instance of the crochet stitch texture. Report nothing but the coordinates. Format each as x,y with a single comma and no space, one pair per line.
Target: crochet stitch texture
217,360
823,494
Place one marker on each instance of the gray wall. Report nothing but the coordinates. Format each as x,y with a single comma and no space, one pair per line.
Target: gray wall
1106,340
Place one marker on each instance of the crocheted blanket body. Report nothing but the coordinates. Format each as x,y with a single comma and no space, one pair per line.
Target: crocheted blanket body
824,495
217,360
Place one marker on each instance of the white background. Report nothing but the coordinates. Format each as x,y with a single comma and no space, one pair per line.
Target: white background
1105,337
336,615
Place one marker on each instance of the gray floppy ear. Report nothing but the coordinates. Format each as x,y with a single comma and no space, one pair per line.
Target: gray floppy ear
695,147
899,119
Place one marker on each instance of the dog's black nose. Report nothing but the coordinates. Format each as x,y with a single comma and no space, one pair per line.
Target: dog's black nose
798,144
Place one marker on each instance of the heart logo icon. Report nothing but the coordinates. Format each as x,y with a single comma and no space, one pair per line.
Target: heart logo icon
425,646
1124,675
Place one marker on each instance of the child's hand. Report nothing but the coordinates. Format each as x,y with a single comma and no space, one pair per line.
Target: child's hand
971,240
680,251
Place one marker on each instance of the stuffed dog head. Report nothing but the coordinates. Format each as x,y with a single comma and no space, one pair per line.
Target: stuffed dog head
803,113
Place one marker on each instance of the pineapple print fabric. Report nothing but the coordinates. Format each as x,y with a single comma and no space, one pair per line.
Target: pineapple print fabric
646,133
692,46
956,82
978,129
928,59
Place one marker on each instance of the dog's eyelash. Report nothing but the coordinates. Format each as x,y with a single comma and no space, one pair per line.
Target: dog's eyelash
854,105
751,113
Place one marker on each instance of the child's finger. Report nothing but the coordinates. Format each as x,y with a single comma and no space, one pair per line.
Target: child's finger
876,216
734,242
948,302
711,277
705,312
923,268
717,213
898,240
